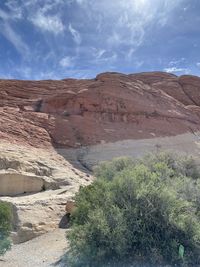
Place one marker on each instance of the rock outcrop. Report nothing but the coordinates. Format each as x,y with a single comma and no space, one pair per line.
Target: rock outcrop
43,123
111,107
37,183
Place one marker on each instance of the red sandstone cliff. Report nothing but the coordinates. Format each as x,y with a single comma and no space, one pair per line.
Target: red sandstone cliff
111,107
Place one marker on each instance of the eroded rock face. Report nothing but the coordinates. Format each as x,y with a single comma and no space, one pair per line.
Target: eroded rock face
37,183
13,184
111,107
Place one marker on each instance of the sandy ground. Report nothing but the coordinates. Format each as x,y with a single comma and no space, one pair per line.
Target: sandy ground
44,251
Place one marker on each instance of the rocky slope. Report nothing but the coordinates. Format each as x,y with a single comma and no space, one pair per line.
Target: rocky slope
37,183
45,124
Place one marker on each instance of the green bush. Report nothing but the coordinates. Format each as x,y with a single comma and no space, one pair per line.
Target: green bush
138,211
5,227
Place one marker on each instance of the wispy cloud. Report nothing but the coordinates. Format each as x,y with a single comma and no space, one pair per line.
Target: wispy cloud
130,20
15,39
175,69
176,62
80,2
138,64
3,15
66,62
10,34
129,54
40,14
102,56
15,9
66,37
48,23
75,34
177,65
100,53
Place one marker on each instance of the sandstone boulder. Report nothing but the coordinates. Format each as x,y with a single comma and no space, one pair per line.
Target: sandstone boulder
70,206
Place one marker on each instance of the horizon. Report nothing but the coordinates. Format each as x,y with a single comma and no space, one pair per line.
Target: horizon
42,40
93,78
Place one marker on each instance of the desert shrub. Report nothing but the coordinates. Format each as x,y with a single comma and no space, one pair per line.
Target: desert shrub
5,227
107,170
137,211
181,165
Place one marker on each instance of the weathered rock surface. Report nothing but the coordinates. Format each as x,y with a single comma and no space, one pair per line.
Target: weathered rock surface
111,107
183,144
37,183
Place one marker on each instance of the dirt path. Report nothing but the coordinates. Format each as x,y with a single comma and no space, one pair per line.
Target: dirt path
43,251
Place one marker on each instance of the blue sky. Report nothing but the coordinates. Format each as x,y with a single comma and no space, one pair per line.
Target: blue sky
55,39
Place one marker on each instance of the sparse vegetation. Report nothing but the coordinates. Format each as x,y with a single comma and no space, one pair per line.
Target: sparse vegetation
5,227
138,212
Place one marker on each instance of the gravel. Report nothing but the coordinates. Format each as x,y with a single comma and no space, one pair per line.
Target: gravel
44,251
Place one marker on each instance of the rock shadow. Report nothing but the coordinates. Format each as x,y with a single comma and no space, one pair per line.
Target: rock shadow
65,221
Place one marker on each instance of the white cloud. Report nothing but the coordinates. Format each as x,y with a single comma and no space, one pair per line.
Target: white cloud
105,57
198,64
176,65
129,54
15,9
3,15
15,39
75,34
177,62
66,62
100,53
80,2
130,19
10,34
41,15
175,69
112,58
115,28
138,64
48,23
